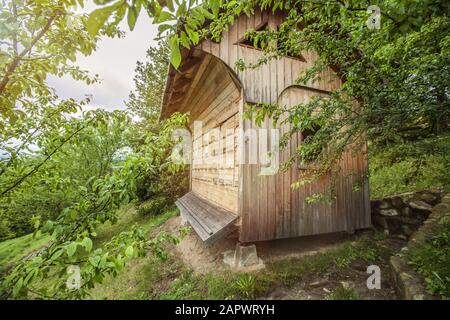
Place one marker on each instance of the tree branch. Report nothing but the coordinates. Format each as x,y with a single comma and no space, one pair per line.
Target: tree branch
16,61
18,182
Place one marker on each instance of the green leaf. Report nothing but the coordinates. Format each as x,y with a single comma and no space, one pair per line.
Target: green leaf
181,11
87,244
193,35
131,18
184,40
57,254
119,262
175,54
165,16
129,252
4,58
17,286
71,249
206,13
97,19
169,4
215,6
94,260
163,27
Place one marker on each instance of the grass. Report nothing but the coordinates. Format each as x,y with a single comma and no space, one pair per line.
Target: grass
170,279
140,274
341,293
128,216
13,250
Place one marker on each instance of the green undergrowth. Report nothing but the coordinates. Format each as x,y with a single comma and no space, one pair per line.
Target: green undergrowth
11,251
432,261
412,166
171,279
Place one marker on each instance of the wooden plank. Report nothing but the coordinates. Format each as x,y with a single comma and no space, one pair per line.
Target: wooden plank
210,222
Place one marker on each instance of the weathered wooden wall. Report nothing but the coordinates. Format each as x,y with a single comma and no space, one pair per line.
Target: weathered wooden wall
214,103
266,83
271,209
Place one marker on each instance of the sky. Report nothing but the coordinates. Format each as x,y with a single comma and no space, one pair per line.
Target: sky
114,61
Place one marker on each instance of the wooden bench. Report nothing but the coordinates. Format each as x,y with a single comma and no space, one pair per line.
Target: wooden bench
209,221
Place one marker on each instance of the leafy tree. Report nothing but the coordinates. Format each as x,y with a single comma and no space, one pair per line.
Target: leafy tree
149,80
39,38
155,182
63,172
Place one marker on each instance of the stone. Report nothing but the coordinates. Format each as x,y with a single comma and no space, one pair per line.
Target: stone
397,202
407,230
389,212
444,207
401,237
243,257
406,211
420,205
183,222
410,221
318,283
246,255
380,221
394,225
229,258
385,204
428,197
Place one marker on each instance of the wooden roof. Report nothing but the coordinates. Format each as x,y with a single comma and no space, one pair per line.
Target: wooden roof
180,80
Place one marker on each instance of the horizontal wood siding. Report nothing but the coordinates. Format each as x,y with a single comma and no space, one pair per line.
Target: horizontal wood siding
214,171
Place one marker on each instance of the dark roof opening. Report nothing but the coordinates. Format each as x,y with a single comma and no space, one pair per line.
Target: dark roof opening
281,46
259,44
309,163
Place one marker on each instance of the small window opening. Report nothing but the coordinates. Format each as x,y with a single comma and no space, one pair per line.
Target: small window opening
250,43
305,134
281,46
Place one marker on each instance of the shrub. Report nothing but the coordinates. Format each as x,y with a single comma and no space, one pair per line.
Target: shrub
153,207
412,166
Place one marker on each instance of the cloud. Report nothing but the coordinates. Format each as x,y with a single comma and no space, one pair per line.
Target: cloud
114,61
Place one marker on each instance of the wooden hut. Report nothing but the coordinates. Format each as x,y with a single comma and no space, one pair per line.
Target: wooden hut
226,196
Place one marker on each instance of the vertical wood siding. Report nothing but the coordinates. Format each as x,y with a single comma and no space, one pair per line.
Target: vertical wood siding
272,209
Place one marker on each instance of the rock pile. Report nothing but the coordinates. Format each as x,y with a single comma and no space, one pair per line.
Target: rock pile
401,215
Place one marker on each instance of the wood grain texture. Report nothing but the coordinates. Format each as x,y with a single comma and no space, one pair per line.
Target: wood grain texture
209,221
288,213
